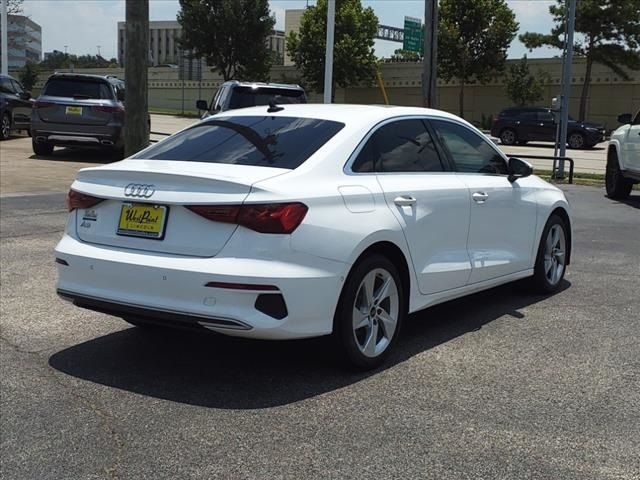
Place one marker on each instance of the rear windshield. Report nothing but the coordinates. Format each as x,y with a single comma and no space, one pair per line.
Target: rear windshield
68,87
243,97
263,141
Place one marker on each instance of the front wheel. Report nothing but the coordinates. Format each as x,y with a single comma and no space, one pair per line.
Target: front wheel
370,312
508,137
552,256
41,148
576,140
5,127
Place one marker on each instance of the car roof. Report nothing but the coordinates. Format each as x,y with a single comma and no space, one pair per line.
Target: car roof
343,113
8,76
86,76
291,86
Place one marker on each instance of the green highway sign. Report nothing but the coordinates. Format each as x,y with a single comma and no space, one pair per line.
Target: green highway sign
413,35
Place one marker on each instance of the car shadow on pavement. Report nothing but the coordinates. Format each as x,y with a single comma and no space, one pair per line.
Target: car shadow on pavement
633,200
216,371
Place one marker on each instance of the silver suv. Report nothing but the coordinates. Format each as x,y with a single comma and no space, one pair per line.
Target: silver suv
234,94
79,110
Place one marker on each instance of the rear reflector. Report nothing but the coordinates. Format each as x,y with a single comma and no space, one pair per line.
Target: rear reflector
241,286
263,218
81,200
39,104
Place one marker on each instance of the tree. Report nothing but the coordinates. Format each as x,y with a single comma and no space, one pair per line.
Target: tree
353,59
610,35
522,86
14,7
230,34
29,75
473,38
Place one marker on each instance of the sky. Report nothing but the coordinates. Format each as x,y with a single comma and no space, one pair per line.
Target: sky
82,25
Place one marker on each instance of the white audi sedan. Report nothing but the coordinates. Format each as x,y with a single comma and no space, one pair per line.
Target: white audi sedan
309,220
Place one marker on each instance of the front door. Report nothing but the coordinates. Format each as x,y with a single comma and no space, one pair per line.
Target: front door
430,203
503,213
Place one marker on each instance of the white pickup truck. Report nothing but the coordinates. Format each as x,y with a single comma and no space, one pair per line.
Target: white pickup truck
623,157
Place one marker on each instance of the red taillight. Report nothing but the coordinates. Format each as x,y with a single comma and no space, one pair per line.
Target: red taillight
108,108
263,218
81,200
39,104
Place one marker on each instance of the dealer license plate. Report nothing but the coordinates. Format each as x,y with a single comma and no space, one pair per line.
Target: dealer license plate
73,110
142,220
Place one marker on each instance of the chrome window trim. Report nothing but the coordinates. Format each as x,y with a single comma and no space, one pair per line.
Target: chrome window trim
347,166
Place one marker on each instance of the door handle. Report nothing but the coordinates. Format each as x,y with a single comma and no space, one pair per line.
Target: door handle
404,201
479,197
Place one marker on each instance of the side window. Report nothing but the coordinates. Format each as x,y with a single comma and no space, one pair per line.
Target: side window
401,146
545,116
17,87
6,86
527,115
470,152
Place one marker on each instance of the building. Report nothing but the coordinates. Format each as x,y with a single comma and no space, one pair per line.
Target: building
25,40
292,20
164,47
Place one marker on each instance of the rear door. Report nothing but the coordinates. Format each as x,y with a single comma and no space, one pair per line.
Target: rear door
527,125
545,129
429,202
503,213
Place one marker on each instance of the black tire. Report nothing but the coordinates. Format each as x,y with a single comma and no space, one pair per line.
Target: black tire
344,333
540,280
5,126
617,186
576,140
41,148
508,136
138,323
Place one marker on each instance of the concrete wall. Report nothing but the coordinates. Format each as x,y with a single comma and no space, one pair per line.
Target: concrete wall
609,95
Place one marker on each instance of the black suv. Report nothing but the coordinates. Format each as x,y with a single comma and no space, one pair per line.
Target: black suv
15,106
520,125
234,94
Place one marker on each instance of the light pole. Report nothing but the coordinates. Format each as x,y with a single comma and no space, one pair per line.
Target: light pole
4,41
566,83
430,59
328,61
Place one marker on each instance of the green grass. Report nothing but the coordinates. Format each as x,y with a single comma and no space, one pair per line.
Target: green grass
176,112
579,178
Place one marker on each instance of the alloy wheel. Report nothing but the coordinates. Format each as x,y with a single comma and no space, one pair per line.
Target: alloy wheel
5,126
555,254
375,312
508,137
576,140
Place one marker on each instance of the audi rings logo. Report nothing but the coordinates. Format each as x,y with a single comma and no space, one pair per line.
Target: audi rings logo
139,190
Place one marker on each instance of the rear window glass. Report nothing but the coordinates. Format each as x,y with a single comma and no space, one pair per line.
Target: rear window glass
243,97
263,141
60,87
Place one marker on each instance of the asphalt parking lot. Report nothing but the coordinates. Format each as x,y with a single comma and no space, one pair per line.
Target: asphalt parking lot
501,385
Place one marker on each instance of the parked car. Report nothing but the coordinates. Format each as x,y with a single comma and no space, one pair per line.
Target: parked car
15,106
623,157
307,221
520,125
234,94
79,110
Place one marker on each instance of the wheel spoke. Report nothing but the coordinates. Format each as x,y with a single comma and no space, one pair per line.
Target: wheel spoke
388,324
548,265
383,291
360,319
367,289
369,347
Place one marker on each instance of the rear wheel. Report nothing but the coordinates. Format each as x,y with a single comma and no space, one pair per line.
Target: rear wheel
370,312
617,186
576,140
508,137
41,148
551,261
5,126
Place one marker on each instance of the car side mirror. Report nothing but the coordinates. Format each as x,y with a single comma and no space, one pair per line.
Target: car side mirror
518,169
25,95
202,105
624,118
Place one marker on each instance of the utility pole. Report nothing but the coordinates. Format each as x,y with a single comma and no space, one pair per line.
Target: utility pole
328,60
4,42
566,82
98,47
136,61
65,49
430,59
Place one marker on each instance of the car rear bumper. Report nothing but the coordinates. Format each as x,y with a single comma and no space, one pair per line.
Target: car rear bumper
75,135
257,298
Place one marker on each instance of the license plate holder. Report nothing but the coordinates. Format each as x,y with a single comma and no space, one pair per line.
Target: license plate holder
70,110
143,220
